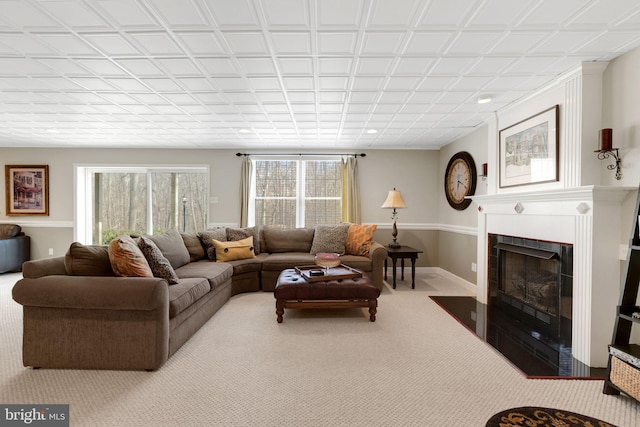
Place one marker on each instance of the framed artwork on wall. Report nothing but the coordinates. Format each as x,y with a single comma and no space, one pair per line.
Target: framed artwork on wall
529,150
27,189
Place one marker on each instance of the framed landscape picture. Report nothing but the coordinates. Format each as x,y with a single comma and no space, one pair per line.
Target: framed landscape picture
27,189
529,150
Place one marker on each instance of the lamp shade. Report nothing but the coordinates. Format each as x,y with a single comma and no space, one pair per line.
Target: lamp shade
394,200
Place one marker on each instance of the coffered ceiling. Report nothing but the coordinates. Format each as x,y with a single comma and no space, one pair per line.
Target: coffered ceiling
303,74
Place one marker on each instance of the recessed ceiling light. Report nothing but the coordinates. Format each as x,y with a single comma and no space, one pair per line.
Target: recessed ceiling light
52,130
484,99
244,131
372,131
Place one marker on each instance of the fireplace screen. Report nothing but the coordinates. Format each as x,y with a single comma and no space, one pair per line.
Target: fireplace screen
532,280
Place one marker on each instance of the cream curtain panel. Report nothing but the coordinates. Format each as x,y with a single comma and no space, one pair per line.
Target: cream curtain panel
350,190
245,190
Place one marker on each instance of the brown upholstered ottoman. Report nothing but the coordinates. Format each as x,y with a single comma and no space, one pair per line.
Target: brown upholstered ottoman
293,291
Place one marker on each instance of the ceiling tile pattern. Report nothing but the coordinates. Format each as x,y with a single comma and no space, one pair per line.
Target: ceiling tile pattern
259,74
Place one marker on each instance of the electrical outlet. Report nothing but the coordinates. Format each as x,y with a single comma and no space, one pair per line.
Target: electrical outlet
474,267
50,251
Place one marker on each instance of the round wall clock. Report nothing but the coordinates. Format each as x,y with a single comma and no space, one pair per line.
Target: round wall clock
460,180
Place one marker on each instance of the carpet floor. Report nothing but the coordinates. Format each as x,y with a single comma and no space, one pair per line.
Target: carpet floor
414,366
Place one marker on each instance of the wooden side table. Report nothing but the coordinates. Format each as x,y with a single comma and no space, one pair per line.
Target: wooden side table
402,252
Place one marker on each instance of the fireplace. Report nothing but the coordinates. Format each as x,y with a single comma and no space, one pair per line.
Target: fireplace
532,281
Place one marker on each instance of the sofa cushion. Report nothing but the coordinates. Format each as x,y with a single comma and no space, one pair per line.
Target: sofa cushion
359,238
215,272
88,260
248,265
330,238
194,246
278,240
359,262
160,266
8,231
280,261
207,237
235,234
230,251
185,293
172,247
127,259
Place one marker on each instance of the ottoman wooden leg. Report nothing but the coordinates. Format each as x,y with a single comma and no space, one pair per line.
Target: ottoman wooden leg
373,303
279,310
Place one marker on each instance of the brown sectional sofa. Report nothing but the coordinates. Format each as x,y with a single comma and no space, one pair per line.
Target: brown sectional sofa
79,315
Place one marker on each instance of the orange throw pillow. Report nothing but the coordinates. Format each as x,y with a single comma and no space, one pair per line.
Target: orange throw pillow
127,259
359,238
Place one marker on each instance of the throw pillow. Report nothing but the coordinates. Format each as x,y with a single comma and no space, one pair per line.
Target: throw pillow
235,234
8,231
194,246
207,237
160,266
87,260
330,238
127,259
359,238
172,247
231,251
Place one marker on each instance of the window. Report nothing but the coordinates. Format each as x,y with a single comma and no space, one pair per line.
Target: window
139,200
296,193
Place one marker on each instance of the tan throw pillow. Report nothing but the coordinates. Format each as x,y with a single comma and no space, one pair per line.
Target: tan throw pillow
235,234
330,238
230,251
359,238
127,259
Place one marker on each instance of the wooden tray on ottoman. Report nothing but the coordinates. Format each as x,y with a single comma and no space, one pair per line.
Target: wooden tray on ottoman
335,273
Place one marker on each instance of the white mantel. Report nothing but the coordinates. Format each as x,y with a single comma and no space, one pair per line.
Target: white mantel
587,217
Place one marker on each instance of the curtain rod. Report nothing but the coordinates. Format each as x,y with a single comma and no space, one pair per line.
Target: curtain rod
301,154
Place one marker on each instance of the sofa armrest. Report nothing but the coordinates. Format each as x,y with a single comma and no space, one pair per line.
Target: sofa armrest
93,322
43,267
378,254
93,292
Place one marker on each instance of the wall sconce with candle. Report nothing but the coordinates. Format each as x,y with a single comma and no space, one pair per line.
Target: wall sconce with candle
606,150
485,168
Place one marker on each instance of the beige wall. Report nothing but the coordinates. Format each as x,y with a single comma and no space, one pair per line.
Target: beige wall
457,250
621,112
412,172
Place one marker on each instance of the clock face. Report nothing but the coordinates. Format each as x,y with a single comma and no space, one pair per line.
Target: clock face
460,180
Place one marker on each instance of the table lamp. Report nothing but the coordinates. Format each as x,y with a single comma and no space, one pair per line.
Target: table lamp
394,201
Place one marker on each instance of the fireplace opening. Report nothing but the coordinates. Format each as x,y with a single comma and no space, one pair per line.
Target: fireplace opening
530,292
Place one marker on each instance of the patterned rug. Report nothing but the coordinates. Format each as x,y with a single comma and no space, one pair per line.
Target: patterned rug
531,416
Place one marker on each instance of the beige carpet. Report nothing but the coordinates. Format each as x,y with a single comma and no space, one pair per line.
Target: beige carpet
415,366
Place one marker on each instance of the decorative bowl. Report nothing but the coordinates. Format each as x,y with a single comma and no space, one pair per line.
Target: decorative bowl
327,260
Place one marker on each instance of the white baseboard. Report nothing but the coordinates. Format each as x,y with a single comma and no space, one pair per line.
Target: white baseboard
471,287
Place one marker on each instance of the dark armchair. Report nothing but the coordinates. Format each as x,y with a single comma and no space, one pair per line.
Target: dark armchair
15,248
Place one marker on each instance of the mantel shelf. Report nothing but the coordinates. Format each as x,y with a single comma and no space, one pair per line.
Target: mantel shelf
592,192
